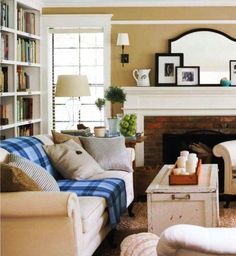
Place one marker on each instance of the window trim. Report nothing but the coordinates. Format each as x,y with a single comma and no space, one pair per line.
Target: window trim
69,21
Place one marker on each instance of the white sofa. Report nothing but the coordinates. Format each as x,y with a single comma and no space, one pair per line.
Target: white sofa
56,223
186,240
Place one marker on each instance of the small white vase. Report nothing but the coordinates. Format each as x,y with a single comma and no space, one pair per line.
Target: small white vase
99,131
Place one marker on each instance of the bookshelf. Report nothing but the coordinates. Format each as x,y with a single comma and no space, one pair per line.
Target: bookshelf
20,80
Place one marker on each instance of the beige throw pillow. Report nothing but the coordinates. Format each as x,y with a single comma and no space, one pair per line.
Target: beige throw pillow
59,138
110,153
72,161
13,179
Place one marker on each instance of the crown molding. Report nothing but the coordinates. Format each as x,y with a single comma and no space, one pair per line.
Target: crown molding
137,3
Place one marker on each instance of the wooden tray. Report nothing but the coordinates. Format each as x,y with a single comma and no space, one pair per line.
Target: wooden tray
186,179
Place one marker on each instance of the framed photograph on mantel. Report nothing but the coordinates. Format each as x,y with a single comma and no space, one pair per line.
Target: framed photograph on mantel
187,76
232,72
165,67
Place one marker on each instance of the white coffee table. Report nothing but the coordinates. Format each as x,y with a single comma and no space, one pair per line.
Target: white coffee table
183,204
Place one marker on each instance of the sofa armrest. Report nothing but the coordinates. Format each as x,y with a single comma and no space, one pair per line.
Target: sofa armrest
46,223
34,204
196,240
227,150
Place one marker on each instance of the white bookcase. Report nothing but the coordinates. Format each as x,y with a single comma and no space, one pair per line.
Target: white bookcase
20,59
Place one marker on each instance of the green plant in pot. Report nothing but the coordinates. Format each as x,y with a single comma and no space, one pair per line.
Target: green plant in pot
100,131
114,94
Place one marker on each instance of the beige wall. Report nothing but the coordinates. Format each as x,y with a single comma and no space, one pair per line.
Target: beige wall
146,40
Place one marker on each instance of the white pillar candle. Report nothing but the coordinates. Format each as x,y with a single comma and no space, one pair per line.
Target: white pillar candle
181,162
193,157
191,165
184,153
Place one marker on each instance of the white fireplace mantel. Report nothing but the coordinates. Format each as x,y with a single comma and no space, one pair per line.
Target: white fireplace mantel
177,101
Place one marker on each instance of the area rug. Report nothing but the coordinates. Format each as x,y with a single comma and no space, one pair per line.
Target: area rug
138,224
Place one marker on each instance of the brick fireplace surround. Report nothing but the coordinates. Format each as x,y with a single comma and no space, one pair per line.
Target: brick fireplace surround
178,109
156,126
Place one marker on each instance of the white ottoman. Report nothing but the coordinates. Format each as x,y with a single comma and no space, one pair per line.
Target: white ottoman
141,244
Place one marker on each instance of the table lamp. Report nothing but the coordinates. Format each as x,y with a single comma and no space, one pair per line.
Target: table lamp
72,86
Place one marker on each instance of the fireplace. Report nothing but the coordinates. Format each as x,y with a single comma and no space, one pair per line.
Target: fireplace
216,106
200,142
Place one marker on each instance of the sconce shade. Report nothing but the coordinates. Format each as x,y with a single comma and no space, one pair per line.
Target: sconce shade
122,39
72,86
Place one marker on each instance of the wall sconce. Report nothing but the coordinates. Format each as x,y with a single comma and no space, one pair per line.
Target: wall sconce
123,39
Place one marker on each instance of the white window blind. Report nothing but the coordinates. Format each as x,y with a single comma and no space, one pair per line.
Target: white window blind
78,51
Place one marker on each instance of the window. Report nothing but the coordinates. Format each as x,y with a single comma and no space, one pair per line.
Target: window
79,51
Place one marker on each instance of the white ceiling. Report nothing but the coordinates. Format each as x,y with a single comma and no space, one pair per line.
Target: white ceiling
136,3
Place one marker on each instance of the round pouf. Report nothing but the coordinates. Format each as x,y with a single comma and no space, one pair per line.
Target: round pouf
142,244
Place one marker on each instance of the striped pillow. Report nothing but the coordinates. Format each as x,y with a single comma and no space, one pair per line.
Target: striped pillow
37,173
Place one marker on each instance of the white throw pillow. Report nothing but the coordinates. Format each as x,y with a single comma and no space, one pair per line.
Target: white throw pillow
72,161
110,153
36,172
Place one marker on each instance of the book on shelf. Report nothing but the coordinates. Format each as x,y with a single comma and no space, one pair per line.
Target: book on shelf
26,50
24,108
4,79
4,46
25,130
26,20
4,14
23,79
4,114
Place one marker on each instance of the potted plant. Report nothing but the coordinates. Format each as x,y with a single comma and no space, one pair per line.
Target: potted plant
100,131
114,94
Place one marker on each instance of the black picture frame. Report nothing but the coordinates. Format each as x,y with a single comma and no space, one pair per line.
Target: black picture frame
187,76
165,64
232,72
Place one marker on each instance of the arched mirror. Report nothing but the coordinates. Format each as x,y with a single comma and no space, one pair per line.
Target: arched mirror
209,49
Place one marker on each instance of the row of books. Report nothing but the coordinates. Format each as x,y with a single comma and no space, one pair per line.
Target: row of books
24,108
4,46
23,79
4,79
26,20
4,14
26,50
25,130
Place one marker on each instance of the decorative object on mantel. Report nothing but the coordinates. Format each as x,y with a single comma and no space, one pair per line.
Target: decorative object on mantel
225,82
203,47
187,75
114,94
232,71
165,67
141,77
123,39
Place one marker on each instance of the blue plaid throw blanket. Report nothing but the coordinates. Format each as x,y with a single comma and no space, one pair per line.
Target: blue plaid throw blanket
29,148
112,189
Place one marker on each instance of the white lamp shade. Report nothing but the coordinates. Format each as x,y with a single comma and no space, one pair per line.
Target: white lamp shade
122,39
72,86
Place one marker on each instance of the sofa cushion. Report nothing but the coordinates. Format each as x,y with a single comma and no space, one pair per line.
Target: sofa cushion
37,173
72,161
92,208
59,138
13,179
126,176
29,148
110,153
